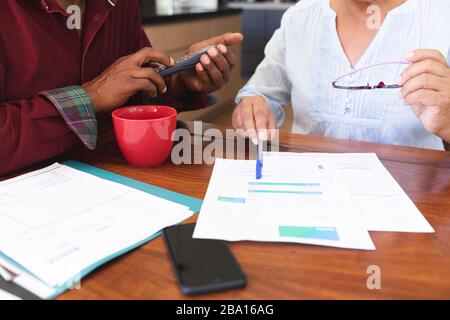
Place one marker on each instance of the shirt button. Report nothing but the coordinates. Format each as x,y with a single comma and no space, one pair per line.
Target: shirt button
348,110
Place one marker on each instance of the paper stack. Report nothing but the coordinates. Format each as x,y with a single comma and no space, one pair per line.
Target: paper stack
58,224
321,199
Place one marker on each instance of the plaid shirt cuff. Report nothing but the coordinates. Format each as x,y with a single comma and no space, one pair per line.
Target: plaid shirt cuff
77,110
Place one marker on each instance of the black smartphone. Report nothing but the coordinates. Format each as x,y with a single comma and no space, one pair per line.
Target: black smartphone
202,266
184,63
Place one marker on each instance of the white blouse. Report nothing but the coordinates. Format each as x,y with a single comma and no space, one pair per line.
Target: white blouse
305,56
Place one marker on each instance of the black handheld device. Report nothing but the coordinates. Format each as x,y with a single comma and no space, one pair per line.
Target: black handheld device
202,266
184,63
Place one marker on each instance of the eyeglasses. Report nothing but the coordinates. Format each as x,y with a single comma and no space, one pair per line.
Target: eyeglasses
374,78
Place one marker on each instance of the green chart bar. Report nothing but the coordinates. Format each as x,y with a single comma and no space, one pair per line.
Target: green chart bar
231,199
322,233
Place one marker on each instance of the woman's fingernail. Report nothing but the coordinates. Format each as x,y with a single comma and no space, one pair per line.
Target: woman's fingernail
164,90
409,56
263,135
172,61
255,141
200,67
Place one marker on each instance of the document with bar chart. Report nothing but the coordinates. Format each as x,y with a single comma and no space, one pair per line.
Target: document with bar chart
296,201
380,200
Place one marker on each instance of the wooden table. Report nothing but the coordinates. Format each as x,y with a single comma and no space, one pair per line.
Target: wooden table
412,265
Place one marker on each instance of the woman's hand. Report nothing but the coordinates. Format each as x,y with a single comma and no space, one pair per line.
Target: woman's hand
253,119
426,88
126,77
214,69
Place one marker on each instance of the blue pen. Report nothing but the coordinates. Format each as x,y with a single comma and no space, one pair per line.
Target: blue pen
259,162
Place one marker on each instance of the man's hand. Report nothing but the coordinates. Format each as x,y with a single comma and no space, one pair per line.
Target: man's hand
126,77
253,119
213,71
426,88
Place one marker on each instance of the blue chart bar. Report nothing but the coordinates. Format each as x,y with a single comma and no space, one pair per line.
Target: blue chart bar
287,192
284,184
286,188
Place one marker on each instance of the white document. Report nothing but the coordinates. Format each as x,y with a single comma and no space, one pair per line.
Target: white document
381,201
296,201
58,221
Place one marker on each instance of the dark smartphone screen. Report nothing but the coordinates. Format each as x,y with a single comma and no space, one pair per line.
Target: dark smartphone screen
202,266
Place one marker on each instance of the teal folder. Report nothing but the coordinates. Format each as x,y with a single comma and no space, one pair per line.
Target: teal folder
193,203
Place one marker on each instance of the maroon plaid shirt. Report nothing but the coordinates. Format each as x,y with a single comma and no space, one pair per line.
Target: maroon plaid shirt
43,109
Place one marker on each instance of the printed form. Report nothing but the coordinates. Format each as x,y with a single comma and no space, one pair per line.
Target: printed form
303,201
380,200
58,221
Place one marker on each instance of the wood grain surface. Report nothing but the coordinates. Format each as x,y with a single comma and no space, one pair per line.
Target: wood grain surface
413,266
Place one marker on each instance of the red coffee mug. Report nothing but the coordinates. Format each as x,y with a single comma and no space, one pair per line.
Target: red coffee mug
144,133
